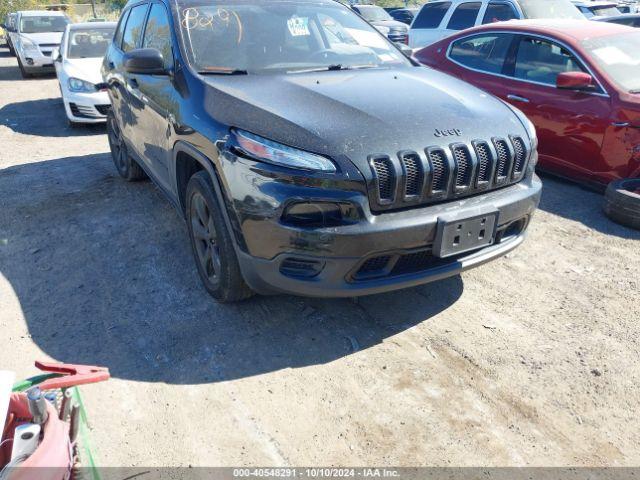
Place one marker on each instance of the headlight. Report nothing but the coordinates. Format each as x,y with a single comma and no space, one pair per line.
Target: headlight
28,45
77,85
278,154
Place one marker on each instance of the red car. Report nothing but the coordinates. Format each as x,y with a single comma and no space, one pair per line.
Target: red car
577,81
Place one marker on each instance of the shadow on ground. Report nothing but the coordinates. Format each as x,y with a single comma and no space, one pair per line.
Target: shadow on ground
45,118
579,204
103,273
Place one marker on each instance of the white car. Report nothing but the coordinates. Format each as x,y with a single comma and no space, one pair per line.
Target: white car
37,33
77,65
438,19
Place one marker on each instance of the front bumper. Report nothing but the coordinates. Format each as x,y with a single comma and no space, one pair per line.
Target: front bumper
86,107
403,239
36,60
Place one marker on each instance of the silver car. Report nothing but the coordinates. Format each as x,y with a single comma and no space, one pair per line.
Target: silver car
37,34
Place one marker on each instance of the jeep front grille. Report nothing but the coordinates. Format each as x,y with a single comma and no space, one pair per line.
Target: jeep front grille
485,164
439,166
464,167
520,157
440,173
385,175
502,167
413,174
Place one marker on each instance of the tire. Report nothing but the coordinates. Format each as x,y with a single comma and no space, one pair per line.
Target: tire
23,71
212,244
127,167
622,202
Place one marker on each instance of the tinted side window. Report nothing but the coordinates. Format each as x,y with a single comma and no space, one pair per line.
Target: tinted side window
586,12
117,38
499,12
431,15
484,52
157,33
541,61
133,30
464,16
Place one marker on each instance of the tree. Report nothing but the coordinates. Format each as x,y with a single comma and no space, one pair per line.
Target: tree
7,6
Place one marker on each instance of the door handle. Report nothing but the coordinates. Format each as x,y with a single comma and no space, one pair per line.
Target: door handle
517,98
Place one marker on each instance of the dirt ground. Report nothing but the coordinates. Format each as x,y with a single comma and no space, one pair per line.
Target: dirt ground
530,360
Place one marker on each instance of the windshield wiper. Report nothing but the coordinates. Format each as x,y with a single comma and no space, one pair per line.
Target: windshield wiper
334,67
223,71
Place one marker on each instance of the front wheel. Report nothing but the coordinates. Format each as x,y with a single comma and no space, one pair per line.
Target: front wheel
127,167
212,244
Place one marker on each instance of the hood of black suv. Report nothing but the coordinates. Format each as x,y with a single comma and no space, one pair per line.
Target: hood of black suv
357,113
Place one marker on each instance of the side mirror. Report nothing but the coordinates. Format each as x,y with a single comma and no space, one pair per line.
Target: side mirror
574,81
406,50
55,55
144,61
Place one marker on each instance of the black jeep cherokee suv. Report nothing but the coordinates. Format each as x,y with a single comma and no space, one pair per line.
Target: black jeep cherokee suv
307,154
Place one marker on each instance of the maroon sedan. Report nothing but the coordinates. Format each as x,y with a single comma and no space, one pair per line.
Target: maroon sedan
577,81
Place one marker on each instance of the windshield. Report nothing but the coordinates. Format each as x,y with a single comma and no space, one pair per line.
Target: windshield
619,56
280,36
605,11
89,43
373,14
550,9
43,24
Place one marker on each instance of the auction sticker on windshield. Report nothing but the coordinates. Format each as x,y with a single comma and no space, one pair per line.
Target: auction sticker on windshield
298,26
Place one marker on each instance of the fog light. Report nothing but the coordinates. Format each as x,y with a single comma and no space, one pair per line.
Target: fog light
29,61
319,214
300,267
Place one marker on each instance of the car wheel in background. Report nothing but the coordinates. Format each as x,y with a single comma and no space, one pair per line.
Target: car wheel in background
622,202
127,167
212,244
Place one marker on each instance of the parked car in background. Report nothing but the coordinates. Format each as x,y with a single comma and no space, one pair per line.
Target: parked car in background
439,19
577,81
595,9
630,20
77,63
38,32
404,15
307,154
628,6
9,29
396,31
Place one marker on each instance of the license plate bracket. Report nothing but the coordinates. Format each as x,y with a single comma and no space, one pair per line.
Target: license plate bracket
459,235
